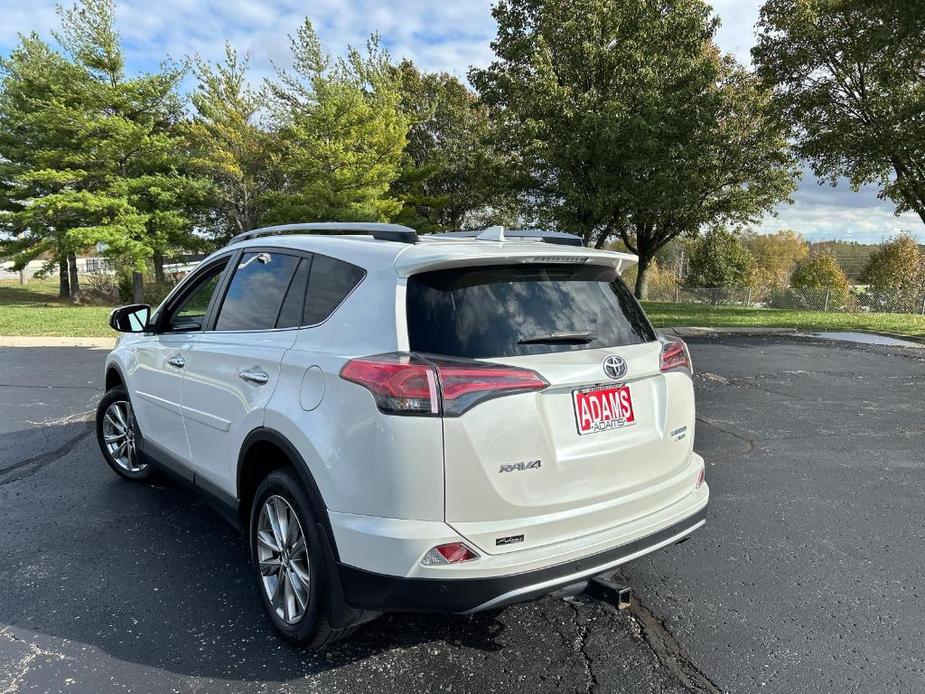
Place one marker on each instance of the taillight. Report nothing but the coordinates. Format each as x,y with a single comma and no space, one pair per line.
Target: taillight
428,385
400,383
452,553
675,356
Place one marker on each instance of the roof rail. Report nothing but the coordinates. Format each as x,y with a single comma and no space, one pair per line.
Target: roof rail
382,232
501,234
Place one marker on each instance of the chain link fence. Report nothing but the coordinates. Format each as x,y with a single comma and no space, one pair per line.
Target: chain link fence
854,300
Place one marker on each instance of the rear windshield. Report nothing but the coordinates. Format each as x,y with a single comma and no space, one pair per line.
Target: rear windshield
505,311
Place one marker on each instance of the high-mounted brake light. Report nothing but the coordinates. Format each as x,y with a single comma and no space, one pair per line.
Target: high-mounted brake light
675,356
424,385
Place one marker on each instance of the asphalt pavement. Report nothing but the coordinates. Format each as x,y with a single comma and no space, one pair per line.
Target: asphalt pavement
807,577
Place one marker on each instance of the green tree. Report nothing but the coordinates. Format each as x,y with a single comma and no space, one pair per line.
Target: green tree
851,255
720,259
136,199
41,123
821,271
895,275
341,134
776,255
110,170
848,74
625,120
451,176
231,147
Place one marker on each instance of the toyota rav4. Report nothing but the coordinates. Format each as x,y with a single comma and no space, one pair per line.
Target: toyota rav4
452,422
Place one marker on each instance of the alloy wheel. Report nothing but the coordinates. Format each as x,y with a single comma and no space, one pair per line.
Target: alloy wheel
283,559
119,436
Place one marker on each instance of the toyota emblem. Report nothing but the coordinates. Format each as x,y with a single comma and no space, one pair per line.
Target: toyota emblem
615,367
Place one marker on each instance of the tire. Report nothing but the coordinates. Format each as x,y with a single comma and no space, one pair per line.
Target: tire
298,608
115,426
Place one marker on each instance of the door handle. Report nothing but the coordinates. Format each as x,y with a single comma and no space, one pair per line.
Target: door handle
177,361
254,376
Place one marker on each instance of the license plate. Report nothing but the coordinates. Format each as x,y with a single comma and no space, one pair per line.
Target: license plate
603,408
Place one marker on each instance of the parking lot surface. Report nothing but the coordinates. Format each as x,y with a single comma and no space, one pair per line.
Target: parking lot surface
807,577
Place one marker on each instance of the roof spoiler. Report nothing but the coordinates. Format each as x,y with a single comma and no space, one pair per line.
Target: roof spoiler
500,234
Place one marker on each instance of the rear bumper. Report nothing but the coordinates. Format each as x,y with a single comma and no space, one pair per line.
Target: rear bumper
373,591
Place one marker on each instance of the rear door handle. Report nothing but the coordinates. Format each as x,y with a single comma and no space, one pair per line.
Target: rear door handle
177,361
254,376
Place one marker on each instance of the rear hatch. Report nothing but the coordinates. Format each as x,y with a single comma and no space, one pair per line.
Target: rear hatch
598,447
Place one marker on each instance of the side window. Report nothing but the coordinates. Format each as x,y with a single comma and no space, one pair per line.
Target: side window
329,283
290,315
190,314
255,294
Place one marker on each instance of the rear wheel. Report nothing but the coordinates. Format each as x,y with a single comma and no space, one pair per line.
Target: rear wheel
291,565
117,435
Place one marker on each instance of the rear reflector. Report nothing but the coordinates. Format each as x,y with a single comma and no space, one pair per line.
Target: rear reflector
701,477
452,553
675,356
426,385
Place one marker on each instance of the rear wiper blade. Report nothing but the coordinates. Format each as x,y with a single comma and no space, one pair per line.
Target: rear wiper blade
550,338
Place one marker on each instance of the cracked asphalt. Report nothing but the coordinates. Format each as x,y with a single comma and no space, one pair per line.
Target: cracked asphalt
808,576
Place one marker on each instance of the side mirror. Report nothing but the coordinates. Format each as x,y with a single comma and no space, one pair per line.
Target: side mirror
130,319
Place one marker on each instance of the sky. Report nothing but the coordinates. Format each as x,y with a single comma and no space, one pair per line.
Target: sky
438,35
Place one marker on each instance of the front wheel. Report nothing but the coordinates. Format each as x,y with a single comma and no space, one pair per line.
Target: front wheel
117,435
291,565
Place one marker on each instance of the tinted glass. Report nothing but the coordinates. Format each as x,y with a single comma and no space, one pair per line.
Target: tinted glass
256,292
505,311
329,284
290,315
191,312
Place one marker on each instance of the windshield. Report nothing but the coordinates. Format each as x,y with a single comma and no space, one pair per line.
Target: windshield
504,311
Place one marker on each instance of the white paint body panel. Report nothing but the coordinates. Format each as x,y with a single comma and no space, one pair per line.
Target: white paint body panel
156,388
219,407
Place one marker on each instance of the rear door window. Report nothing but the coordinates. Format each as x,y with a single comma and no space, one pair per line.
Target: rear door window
290,315
505,311
255,295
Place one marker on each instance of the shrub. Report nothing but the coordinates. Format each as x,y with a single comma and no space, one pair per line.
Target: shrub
821,271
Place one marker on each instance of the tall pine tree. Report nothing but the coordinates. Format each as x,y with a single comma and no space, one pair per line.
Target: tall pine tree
340,134
92,158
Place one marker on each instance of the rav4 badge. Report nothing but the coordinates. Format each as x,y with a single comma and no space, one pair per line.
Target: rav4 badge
520,467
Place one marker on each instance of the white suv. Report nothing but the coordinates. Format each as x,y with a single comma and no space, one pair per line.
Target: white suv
452,422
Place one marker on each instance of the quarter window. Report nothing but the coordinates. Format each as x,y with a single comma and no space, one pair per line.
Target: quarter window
255,294
330,282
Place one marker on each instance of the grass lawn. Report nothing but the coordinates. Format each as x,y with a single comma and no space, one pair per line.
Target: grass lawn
34,309
705,316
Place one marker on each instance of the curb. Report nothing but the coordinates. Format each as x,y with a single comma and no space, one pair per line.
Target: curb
691,331
910,340
50,341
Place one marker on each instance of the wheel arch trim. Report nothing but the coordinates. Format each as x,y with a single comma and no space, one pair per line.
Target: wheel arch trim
275,438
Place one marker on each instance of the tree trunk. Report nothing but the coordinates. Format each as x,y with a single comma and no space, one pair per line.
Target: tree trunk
159,276
64,286
22,276
72,275
642,280
138,288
